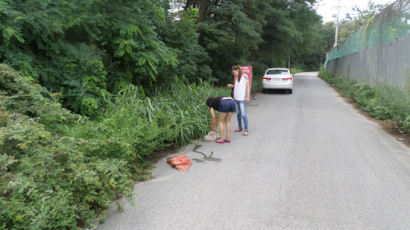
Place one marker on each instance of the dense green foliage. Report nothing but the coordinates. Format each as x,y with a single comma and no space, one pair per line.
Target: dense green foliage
383,102
268,33
58,169
102,85
85,51
47,180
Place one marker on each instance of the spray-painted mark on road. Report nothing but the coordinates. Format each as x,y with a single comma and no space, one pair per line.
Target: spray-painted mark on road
205,157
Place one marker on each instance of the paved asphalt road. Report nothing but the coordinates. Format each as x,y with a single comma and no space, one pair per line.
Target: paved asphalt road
311,161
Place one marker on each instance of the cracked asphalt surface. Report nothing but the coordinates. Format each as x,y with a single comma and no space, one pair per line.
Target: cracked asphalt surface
311,161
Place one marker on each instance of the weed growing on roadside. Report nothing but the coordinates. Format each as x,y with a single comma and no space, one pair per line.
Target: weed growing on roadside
384,102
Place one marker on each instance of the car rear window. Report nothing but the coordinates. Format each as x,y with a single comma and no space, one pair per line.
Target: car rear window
277,71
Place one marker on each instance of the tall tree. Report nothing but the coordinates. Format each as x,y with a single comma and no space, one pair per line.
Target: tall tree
84,48
203,6
229,35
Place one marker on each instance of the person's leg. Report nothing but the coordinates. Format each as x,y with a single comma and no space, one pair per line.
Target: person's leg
239,116
221,119
242,106
228,126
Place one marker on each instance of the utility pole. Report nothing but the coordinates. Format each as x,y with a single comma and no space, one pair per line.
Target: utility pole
337,25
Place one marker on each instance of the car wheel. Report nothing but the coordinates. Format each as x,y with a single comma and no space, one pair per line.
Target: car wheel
263,90
290,91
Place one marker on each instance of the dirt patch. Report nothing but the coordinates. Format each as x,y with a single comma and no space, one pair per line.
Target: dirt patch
390,127
154,158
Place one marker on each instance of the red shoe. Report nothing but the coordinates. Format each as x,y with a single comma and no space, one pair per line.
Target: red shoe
219,141
227,140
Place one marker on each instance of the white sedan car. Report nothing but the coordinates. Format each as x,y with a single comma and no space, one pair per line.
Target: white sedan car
277,78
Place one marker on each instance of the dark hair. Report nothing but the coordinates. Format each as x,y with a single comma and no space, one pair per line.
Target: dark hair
238,67
209,101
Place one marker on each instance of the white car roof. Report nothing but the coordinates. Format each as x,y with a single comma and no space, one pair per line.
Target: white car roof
278,68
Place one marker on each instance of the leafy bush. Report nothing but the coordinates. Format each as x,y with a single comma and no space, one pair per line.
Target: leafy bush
47,181
382,101
406,124
59,170
362,94
258,70
31,100
295,70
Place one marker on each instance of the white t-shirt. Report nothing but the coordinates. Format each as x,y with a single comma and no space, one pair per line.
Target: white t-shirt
239,92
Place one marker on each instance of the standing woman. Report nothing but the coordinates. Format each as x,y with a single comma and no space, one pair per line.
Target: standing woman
225,106
241,94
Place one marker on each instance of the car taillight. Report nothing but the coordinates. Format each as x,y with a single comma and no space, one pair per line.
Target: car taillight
287,79
266,79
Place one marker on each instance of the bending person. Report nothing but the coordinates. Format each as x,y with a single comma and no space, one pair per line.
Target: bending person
225,107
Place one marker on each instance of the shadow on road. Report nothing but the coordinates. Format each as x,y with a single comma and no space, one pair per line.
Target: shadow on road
276,91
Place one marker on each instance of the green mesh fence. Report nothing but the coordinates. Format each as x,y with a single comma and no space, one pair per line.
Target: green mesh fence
392,23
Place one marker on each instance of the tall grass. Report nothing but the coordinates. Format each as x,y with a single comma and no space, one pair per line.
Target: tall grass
58,170
135,126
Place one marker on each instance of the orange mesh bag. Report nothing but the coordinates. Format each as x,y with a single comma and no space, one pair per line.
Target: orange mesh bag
180,162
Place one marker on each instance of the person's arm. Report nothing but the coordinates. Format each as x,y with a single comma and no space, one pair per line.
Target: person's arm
248,92
229,85
213,122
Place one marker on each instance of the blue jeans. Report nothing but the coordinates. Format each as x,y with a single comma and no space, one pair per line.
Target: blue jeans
241,113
